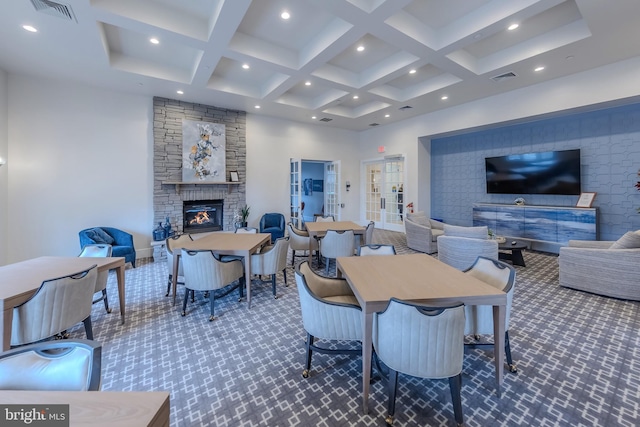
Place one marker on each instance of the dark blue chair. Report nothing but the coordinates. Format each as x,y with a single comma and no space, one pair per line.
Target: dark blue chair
272,223
120,241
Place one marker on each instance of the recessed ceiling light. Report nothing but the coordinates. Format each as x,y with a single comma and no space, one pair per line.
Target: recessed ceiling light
285,15
355,97
569,57
413,71
313,117
245,66
538,69
154,40
30,28
387,115
307,83
179,92
513,27
257,106
360,48
444,97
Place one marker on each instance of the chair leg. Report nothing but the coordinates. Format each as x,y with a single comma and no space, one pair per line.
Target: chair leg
106,301
273,286
307,366
326,266
87,328
284,274
184,303
169,285
455,384
293,257
241,288
212,298
507,349
392,386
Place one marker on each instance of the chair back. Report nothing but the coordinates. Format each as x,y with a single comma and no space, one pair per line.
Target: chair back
172,244
66,365
56,306
376,250
499,274
98,250
368,233
321,218
299,239
461,252
424,341
273,259
337,243
246,230
204,272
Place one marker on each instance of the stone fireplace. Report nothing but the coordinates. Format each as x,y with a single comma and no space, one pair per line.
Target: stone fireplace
200,216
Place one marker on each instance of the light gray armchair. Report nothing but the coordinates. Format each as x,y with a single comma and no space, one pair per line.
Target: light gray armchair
65,365
600,268
271,260
330,311
422,232
459,247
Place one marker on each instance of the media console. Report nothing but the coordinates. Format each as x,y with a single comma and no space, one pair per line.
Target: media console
547,228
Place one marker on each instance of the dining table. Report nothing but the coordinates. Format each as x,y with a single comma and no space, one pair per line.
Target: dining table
224,243
317,230
20,280
422,278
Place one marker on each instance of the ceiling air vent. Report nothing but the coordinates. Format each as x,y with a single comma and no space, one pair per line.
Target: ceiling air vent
504,76
52,8
325,119
374,124
406,107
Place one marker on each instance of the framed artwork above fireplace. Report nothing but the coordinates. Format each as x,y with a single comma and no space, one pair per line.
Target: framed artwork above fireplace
203,151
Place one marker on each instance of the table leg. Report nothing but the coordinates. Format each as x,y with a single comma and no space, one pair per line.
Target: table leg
121,292
311,239
517,258
499,319
174,275
5,326
247,275
367,329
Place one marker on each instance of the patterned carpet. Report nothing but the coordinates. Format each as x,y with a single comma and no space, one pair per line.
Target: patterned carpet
578,357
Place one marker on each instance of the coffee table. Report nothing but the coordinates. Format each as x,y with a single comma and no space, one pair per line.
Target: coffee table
515,252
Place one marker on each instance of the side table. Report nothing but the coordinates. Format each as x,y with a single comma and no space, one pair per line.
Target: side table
512,252
159,252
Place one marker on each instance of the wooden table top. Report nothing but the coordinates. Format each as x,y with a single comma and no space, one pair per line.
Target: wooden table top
100,408
319,227
229,241
376,279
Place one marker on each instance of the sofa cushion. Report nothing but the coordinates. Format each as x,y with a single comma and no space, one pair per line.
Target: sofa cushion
98,235
630,240
470,232
435,233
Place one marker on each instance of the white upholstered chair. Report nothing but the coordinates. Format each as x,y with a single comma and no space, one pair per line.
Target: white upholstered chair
421,341
99,250
204,272
246,230
368,233
366,250
479,318
57,305
172,244
460,246
63,365
322,218
271,260
299,241
335,244
330,312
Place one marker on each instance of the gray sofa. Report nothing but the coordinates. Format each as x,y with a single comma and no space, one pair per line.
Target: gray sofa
422,232
601,268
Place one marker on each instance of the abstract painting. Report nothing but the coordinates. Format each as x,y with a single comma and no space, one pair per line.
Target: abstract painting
203,151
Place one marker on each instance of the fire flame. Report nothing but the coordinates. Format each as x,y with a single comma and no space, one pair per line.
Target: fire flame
200,218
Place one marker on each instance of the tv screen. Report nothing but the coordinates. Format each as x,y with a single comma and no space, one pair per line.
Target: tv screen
551,172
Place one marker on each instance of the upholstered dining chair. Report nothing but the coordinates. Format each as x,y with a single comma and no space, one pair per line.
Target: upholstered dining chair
323,218
99,250
479,318
173,244
368,233
330,312
376,250
56,306
272,223
246,230
335,244
271,260
204,272
62,365
120,241
299,241
422,341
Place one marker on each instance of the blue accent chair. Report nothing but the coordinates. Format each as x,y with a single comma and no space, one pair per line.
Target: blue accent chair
272,223
121,241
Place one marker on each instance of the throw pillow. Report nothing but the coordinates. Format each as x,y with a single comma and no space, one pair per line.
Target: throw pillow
630,240
470,232
101,236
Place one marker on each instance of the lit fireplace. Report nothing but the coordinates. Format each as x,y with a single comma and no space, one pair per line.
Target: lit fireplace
202,215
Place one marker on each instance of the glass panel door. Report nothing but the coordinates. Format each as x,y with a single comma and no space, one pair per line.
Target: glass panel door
332,189
384,193
295,190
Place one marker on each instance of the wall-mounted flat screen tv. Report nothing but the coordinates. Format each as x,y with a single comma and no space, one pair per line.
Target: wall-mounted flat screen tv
551,172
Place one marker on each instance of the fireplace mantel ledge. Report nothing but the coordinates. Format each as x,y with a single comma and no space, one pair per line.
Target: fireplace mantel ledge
179,183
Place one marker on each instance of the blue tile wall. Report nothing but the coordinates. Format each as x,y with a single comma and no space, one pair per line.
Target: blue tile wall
609,141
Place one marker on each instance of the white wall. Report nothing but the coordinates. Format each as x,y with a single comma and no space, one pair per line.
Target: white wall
4,149
79,157
272,142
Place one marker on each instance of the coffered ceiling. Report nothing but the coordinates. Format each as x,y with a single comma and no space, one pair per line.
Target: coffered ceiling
418,56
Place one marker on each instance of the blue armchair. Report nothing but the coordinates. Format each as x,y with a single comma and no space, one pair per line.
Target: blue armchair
272,223
120,241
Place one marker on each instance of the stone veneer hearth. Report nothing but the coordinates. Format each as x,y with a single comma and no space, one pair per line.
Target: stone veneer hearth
167,160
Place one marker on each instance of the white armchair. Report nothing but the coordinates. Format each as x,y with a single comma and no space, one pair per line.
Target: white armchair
422,232
459,247
330,311
271,260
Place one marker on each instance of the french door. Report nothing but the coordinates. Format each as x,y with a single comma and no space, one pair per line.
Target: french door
332,189
295,191
384,192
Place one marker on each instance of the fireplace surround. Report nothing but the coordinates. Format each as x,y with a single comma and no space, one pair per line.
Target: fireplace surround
200,216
